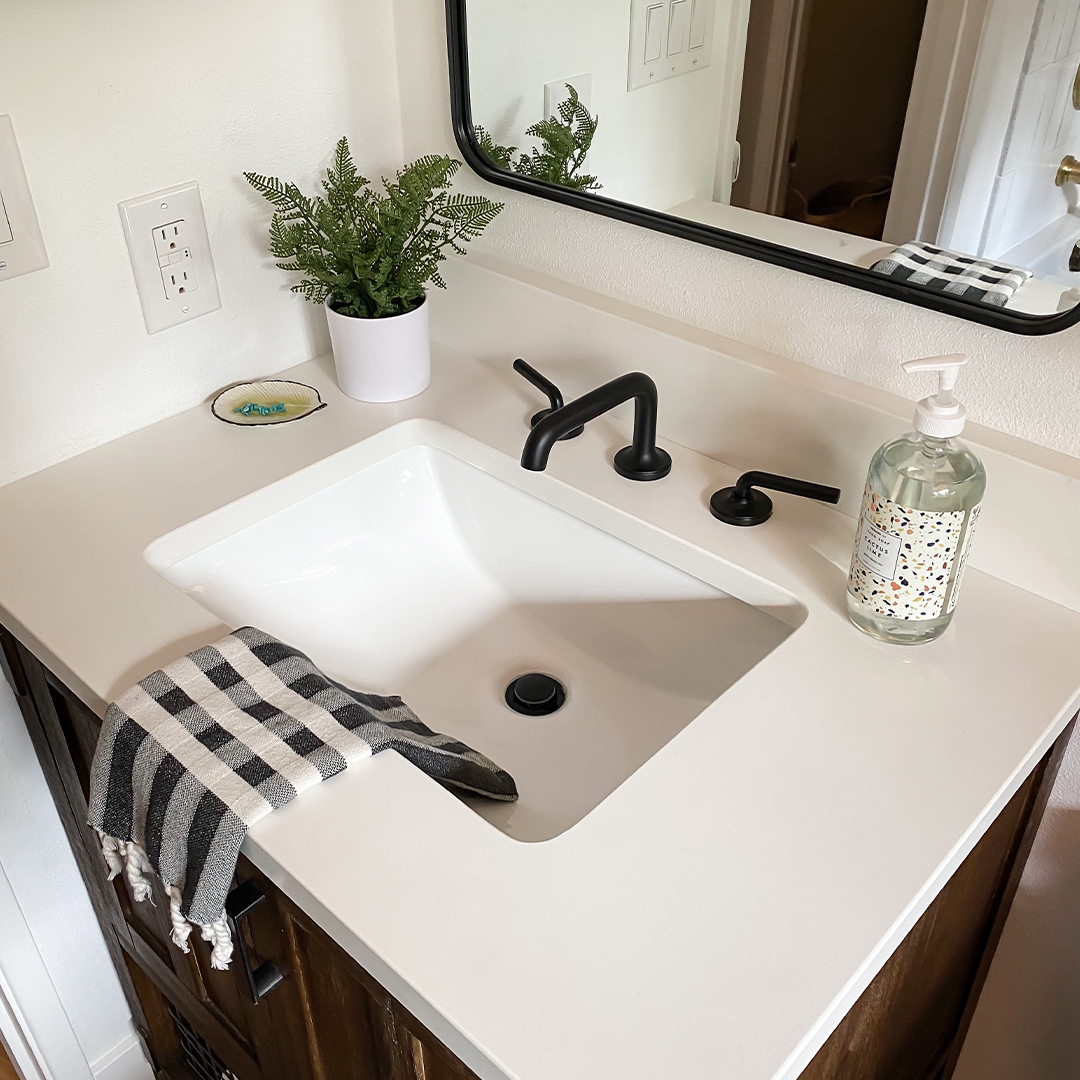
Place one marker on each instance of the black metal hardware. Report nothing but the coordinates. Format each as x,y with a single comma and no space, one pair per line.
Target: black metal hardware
1016,322
644,460
535,694
238,904
742,505
554,395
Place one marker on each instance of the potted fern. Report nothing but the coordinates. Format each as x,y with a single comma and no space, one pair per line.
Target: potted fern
369,257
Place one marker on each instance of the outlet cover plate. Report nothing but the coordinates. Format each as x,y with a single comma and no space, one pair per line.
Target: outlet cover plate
22,249
140,217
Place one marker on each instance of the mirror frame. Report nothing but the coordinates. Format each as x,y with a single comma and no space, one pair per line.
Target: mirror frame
1015,322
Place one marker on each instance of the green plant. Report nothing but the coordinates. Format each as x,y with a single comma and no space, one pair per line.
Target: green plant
566,140
370,254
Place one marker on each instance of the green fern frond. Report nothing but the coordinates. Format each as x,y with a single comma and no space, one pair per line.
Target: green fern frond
371,254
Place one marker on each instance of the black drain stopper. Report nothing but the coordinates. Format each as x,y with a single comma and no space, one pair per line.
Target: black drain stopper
535,694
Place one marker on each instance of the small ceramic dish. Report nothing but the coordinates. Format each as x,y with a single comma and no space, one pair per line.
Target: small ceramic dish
268,401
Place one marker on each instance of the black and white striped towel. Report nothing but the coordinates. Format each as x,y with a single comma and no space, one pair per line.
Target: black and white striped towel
951,272
196,753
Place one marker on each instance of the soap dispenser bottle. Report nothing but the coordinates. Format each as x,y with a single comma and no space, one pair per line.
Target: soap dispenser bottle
919,511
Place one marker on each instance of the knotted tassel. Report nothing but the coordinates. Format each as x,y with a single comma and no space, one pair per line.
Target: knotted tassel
136,867
218,933
181,928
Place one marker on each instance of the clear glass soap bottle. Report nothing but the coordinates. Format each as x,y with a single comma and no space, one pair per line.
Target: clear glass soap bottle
922,500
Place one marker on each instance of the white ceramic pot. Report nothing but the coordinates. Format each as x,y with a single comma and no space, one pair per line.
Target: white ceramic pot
381,359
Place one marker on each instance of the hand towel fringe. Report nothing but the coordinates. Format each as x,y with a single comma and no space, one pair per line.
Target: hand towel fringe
129,858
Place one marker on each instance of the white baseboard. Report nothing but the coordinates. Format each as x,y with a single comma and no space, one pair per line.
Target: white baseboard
125,1061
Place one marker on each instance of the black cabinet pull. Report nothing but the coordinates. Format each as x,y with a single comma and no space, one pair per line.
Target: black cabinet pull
239,903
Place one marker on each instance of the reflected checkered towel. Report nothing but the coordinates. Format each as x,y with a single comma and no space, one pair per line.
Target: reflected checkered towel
190,758
951,272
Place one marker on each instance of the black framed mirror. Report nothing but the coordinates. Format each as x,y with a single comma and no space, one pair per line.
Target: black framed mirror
919,149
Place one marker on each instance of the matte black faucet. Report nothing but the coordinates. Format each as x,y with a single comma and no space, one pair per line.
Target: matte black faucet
643,460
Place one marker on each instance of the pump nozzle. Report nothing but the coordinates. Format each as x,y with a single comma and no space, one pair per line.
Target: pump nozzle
942,416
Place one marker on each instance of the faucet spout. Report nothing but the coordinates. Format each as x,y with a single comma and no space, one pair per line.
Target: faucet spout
643,460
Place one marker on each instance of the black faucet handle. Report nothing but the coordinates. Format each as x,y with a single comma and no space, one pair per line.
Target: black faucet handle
742,505
554,394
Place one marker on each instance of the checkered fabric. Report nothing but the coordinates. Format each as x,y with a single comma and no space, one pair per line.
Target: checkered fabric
951,272
190,758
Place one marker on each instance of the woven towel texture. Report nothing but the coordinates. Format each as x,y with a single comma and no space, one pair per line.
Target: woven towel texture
190,758
951,272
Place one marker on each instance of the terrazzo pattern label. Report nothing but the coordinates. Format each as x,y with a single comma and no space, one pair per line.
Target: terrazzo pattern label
904,558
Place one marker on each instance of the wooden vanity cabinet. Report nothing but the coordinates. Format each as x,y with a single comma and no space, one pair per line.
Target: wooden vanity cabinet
328,1019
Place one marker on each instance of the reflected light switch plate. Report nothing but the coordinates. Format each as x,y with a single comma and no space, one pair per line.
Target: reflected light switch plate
22,249
669,38
678,26
6,235
654,32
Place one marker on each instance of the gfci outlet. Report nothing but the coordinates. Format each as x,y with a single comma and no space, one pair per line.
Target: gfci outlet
170,256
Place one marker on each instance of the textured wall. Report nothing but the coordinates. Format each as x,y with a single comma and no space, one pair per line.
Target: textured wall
118,98
1029,387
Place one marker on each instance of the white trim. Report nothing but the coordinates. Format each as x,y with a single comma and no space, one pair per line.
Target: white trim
32,1019
125,1061
62,1001
940,92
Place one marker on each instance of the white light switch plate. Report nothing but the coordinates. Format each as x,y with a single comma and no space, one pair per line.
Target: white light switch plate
22,249
170,256
669,38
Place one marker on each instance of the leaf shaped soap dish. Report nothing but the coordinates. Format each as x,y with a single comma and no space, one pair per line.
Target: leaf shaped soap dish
268,401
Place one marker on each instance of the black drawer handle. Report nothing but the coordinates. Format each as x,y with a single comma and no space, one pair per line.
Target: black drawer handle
240,902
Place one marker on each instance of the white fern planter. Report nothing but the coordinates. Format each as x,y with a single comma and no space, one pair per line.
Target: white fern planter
385,359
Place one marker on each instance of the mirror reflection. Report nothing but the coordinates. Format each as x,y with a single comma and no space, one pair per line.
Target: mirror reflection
926,140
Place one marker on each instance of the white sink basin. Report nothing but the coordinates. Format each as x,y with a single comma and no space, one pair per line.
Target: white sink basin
423,563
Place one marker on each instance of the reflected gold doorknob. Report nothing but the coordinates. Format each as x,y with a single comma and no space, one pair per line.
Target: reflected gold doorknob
1068,171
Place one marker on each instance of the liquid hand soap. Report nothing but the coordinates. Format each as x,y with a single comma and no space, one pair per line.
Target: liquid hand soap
921,503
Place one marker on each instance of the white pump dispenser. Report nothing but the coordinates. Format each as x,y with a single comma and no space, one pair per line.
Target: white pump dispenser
921,502
942,416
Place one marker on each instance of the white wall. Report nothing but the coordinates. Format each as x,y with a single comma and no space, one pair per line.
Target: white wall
118,98
655,146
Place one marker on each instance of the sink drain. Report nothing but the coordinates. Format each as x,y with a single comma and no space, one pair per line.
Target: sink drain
535,694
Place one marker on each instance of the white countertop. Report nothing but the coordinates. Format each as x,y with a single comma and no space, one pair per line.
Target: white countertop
720,911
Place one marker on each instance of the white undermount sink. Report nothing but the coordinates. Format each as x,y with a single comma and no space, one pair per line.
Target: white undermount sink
423,563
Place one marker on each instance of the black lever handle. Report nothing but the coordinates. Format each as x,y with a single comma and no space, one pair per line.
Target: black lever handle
742,505
554,395
239,903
